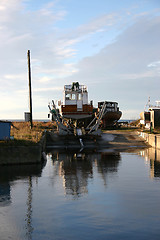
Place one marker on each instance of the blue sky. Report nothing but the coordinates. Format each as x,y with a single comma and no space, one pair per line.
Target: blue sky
110,46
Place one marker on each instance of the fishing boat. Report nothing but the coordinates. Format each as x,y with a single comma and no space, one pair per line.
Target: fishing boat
75,114
111,114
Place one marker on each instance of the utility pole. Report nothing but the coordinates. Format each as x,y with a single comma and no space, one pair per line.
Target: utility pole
30,89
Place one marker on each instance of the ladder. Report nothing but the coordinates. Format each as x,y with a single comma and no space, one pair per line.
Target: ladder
97,120
62,128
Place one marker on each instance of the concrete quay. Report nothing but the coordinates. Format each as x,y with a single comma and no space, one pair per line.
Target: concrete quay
20,155
152,139
127,140
114,139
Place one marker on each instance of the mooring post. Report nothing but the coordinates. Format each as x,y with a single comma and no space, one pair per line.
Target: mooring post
30,89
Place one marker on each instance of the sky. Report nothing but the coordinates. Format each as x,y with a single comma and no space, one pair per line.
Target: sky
112,47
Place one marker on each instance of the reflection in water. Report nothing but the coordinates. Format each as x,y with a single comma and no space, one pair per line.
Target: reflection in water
152,156
77,168
28,219
34,208
8,177
5,198
108,163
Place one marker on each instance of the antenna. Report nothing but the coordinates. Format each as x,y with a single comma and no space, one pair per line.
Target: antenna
149,101
148,104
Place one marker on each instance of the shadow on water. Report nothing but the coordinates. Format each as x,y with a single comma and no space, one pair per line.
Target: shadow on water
76,168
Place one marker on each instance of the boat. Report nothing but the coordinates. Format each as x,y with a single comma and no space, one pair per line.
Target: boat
75,114
75,102
111,114
150,118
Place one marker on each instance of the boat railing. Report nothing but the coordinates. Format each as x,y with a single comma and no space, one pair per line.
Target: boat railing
81,88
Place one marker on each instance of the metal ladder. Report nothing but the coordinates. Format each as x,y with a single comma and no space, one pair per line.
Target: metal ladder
97,120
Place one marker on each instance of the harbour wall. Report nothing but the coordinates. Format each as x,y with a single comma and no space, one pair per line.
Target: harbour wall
43,141
30,154
20,154
152,139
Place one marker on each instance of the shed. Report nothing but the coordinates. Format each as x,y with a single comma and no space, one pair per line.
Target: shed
5,128
155,117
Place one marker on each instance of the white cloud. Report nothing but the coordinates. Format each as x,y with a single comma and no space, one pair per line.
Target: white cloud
15,76
40,90
154,64
97,24
45,79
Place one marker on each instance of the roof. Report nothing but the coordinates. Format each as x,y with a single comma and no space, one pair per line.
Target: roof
5,121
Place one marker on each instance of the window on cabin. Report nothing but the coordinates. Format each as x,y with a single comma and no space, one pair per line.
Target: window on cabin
79,96
68,96
73,96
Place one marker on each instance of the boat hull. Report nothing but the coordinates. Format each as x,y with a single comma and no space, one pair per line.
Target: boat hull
110,118
72,112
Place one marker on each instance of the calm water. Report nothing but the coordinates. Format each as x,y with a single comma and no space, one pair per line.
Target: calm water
108,195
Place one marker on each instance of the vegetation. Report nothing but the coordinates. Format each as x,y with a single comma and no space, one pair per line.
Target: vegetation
22,134
22,130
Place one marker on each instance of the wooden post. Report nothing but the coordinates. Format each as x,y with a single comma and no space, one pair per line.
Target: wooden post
30,89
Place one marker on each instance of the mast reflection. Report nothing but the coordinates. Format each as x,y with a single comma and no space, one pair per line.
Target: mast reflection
29,228
8,177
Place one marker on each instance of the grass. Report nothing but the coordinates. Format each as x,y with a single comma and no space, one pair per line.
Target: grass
16,142
22,130
22,134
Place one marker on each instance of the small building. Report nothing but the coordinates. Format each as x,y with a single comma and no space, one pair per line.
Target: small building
5,128
27,116
155,117
152,118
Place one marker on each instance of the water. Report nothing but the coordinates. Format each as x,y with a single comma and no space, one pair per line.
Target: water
106,195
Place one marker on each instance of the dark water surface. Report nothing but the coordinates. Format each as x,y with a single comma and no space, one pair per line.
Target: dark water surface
107,195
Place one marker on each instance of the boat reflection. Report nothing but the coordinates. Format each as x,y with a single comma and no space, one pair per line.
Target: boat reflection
152,156
76,169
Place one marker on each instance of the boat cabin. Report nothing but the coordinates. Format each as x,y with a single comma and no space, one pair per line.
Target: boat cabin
75,102
111,113
110,106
